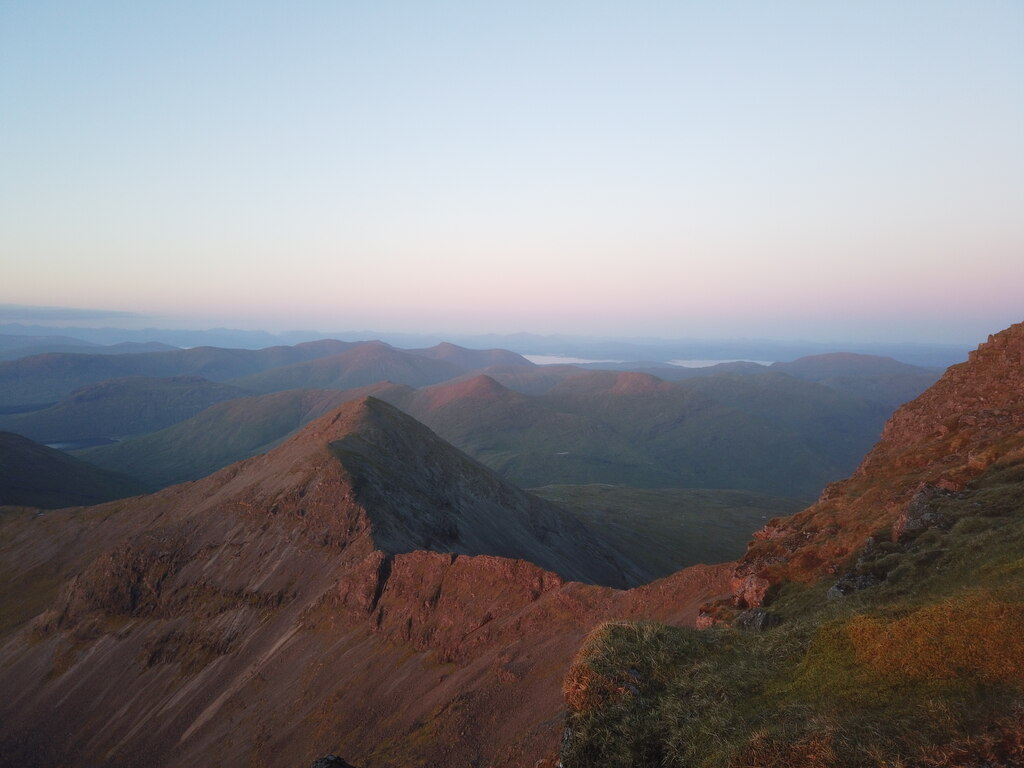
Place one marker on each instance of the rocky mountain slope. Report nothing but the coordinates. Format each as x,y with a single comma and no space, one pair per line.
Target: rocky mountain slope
972,417
273,613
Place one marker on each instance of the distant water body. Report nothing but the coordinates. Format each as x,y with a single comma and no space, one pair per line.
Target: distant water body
708,363
565,360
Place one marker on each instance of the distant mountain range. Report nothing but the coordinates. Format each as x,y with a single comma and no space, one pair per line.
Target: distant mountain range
937,356
785,429
767,433
45,379
12,346
364,589
117,408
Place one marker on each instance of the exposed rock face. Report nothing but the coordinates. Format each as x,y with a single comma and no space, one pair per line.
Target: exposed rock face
971,418
254,618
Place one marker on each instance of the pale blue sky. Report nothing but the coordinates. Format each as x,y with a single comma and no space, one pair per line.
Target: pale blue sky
789,169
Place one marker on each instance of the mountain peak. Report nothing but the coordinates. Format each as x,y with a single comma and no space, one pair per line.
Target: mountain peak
420,493
480,387
369,466
472,359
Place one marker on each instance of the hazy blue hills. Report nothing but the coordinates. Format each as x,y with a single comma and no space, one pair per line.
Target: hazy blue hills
474,359
36,476
45,379
13,347
662,350
877,379
120,407
769,433
784,430
371,362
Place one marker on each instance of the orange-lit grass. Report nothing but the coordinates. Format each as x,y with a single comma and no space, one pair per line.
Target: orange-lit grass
976,637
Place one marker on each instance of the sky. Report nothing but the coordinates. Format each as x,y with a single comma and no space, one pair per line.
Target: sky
815,170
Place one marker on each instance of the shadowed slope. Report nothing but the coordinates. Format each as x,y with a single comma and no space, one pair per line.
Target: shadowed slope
876,379
37,476
768,433
667,529
423,494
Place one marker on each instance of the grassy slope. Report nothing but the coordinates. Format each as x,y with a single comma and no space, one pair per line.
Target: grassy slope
668,529
924,668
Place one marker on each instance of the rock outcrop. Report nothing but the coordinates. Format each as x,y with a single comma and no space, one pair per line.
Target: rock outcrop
967,421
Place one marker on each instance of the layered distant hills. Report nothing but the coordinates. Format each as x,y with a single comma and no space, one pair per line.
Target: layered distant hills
177,415
45,379
118,408
768,433
365,589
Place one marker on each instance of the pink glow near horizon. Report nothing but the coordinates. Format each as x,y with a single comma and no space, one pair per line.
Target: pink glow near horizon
806,172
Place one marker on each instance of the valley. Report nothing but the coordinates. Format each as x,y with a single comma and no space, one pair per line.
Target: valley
350,565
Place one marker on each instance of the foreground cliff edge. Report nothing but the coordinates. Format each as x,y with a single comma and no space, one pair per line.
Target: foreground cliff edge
883,626
327,598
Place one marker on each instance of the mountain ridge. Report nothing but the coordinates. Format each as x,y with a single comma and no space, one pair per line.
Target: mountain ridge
157,597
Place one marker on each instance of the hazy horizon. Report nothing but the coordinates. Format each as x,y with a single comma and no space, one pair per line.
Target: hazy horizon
777,170
71,318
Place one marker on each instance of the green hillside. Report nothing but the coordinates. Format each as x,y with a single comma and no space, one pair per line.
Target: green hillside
668,529
913,657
